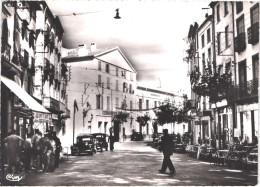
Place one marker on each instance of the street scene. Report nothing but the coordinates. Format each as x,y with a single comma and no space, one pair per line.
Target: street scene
108,93
137,163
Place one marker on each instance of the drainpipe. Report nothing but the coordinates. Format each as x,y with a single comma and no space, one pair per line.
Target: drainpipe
234,107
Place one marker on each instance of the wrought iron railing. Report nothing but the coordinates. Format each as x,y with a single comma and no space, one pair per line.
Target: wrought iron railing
51,103
240,42
244,91
6,48
253,33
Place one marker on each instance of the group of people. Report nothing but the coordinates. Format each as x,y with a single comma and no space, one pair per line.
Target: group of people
41,152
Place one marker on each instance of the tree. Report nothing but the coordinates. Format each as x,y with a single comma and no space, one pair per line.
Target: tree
120,117
169,113
212,83
142,120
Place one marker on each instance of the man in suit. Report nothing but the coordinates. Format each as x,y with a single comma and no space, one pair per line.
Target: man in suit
166,146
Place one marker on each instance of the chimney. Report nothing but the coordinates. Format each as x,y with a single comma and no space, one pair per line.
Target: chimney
93,47
82,50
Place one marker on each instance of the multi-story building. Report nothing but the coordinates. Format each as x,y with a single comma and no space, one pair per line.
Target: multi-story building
246,51
203,127
21,102
235,52
224,57
148,99
102,83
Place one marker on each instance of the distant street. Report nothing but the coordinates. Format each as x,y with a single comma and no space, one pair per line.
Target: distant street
137,163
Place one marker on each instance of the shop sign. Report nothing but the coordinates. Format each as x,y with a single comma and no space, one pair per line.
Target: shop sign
40,117
108,112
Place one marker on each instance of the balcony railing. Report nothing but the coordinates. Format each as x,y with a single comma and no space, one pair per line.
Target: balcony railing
245,91
6,52
253,33
51,103
17,58
190,104
62,107
25,62
240,42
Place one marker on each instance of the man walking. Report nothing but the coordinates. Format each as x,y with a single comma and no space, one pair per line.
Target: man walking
166,146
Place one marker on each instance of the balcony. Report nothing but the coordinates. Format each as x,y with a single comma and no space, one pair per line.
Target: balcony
51,104
17,58
240,42
190,104
62,107
6,48
253,33
25,62
245,92
66,114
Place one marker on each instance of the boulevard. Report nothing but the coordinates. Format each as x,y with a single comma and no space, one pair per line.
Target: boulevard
137,164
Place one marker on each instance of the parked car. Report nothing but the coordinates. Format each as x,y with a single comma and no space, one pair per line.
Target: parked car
85,145
101,141
157,138
137,136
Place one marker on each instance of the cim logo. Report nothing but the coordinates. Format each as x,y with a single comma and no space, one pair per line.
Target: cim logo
14,178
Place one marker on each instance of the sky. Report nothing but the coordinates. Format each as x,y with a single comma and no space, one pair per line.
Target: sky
150,33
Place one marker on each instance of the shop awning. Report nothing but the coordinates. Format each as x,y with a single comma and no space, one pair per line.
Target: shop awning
24,96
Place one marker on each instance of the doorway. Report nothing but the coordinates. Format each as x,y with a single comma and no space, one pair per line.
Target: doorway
116,131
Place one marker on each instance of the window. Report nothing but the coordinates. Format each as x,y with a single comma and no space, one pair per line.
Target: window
140,104
117,85
226,37
218,14
147,104
131,105
208,35
242,74
155,103
99,101
227,68
108,83
203,63
209,54
107,68
108,103
99,65
239,6
220,69
226,8
219,42
240,25
255,61
130,88
254,13
202,41
117,71
117,102
99,80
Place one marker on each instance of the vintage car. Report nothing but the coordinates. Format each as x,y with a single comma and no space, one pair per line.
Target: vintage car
137,136
101,141
85,145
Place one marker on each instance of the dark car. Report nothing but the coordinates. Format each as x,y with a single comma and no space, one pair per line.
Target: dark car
157,138
137,136
101,141
85,145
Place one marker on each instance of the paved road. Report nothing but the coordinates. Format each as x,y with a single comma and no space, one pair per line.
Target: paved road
136,163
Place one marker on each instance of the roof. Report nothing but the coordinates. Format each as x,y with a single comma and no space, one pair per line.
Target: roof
155,91
103,55
209,18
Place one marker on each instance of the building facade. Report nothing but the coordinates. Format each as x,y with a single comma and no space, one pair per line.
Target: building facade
23,109
234,51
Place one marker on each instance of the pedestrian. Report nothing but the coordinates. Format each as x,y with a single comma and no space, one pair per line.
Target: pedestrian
111,142
57,148
13,145
166,146
27,153
37,149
